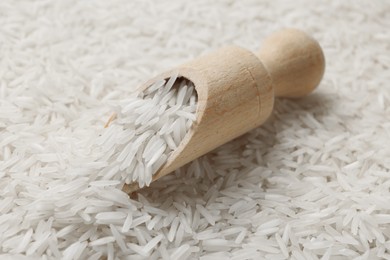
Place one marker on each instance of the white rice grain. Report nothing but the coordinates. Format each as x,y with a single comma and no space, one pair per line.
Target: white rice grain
102,241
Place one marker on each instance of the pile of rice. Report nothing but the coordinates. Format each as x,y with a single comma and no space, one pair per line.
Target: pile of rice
148,127
312,183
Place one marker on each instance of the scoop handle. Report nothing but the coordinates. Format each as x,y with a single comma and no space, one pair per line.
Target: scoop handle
295,62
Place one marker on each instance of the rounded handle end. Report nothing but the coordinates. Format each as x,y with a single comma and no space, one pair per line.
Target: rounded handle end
295,62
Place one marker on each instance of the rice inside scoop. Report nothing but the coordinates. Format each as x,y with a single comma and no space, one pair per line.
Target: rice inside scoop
148,127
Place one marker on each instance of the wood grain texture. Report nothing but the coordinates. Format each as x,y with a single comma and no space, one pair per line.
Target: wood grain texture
295,62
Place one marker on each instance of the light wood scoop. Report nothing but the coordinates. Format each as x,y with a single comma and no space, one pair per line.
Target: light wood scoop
236,90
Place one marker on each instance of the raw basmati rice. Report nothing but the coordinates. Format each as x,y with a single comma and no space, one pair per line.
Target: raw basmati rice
147,127
312,183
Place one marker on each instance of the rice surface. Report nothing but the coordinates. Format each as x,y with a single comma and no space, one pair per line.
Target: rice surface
311,183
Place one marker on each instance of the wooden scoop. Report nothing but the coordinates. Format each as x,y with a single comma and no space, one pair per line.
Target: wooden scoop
236,90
